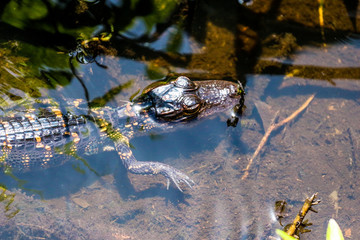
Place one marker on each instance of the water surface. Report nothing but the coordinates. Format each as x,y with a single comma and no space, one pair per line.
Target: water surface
277,49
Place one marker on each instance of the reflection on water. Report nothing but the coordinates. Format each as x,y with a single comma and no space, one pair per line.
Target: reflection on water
106,52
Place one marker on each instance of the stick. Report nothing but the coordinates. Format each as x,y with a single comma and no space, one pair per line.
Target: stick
299,219
273,127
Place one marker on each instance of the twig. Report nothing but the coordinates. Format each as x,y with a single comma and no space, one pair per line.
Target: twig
299,219
273,127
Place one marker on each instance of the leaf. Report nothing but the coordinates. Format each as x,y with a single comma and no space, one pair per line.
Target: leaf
17,13
333,231
175,41
284,235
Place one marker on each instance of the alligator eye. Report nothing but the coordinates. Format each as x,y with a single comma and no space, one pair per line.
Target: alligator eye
191,104
184,82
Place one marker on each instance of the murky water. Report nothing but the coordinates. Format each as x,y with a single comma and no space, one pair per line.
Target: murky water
281,53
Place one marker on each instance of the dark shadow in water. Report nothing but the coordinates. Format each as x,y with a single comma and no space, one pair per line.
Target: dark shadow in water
62,180
320,91
188,14
351,7
128,216
49,183
66,180
313,72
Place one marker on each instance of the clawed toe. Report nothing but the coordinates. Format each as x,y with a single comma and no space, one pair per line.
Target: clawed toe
179,177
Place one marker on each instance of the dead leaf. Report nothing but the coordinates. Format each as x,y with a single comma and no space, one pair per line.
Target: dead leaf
81,202
347,233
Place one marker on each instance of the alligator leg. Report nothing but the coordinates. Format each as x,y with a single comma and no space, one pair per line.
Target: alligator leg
151,168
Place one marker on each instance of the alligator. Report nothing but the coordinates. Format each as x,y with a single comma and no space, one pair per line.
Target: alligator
31,140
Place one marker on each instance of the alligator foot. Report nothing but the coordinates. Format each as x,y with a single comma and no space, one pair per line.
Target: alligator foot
151,168
177,177
154,168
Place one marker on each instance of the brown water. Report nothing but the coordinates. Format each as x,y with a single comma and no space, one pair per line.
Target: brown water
277,49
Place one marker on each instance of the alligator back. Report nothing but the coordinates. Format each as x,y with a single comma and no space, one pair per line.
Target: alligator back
29,140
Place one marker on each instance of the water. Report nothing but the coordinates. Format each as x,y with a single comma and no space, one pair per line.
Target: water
277,50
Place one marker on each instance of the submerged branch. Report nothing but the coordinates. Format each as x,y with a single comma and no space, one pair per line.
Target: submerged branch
273,127
299,219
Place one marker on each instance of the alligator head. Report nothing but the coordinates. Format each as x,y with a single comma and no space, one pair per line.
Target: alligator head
183,99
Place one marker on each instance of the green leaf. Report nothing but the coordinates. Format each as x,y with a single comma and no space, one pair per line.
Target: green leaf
18,13
175,41
162,10
333,231
284,235
155,72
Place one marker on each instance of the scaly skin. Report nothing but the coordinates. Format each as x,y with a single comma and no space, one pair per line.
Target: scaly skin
31,141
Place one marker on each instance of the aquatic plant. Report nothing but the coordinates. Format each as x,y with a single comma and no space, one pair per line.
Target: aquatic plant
333,232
